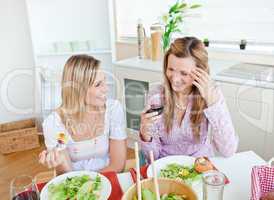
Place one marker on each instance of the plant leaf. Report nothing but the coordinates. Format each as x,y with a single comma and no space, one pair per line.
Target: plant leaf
195,6
173,8
178,30
165,19
179,18
183,5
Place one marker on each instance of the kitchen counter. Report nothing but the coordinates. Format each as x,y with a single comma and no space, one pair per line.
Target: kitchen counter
216,69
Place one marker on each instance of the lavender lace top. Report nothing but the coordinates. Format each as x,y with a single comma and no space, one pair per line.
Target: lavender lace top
180,141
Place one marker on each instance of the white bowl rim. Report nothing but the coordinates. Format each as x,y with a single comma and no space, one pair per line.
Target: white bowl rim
60,178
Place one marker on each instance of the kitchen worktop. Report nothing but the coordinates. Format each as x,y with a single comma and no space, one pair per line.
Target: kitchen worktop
224,71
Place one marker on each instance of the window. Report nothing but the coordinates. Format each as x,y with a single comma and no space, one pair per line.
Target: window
217,20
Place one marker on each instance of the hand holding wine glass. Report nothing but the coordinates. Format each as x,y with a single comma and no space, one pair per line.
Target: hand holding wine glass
150,115
23,188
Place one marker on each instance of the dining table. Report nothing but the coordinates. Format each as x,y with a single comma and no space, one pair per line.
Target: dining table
237,169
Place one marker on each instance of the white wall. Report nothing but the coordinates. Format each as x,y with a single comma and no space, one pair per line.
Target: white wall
216,19
75,20
16,62
65,21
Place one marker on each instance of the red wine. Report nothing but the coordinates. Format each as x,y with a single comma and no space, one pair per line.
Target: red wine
28,195
159,110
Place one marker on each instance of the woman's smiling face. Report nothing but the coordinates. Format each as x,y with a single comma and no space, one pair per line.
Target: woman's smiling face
178,72
97,93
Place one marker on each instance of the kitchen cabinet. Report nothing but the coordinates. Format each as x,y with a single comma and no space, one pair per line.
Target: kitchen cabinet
132,86
251,110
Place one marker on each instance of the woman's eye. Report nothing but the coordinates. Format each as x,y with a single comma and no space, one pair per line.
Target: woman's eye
97,84
170,69
183,74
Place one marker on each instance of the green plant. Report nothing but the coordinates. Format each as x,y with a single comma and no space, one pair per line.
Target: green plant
173,19
206,40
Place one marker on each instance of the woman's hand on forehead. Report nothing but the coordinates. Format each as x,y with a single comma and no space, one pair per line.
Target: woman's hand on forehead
205,85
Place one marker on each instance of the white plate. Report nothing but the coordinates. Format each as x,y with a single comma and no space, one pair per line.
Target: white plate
163,162
106,186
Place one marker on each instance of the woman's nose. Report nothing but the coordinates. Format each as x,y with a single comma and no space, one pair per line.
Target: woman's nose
175,78
105,88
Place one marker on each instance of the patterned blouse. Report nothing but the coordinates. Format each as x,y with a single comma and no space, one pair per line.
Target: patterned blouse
91,154
180,140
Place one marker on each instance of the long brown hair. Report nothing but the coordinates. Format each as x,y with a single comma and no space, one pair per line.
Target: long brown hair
182,48
78,75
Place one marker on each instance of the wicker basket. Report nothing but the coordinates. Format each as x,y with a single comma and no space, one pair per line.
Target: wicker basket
18,136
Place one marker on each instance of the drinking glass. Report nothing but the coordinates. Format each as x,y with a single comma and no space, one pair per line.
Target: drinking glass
213,185
23,188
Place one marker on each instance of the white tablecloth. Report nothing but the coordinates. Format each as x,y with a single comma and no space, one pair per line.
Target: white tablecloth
237,168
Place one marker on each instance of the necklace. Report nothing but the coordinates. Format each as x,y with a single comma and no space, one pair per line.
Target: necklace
182,108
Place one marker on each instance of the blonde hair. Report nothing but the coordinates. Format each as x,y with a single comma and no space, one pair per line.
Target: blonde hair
78,75
182,48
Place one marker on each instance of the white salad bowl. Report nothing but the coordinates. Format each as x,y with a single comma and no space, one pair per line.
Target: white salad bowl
104,193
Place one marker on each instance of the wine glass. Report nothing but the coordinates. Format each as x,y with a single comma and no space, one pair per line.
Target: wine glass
156,104
23,188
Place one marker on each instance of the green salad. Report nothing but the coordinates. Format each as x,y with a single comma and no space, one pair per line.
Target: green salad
76,188
149,195
188,174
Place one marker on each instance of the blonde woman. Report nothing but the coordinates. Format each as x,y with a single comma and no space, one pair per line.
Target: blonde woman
87,132
192,103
